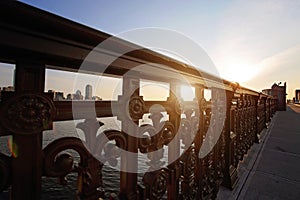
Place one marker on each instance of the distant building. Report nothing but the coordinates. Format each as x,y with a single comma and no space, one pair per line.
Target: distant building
278,92
70,96
88,92
78,95
52,93
96,98
297,96
8,89
59,96
267,91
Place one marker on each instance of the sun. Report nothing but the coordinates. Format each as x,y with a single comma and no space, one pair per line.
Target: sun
187,92
240,72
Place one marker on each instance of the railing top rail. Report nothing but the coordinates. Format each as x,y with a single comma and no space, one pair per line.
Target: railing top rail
67,43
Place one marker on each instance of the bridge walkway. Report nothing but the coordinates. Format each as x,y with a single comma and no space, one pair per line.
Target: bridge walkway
271,170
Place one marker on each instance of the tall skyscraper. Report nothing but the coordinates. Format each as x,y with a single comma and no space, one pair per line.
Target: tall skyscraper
88,92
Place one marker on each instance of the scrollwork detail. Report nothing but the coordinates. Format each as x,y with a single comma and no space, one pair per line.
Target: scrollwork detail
130,108
27,114
57,164
203,104
157,183
136,107
155,138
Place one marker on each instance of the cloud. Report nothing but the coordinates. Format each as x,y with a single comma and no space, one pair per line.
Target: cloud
287,58
283,66
255,39
253,30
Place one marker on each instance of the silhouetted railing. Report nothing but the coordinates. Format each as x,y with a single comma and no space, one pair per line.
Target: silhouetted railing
205,139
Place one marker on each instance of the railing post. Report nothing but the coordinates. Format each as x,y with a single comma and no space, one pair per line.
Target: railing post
265,112
256,138
230,173
131,104
174,148
26,114
270,107
27,166
199,94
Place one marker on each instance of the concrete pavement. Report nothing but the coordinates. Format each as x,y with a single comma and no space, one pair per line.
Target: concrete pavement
271,170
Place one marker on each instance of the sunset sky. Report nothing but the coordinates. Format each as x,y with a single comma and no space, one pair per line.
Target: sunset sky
255,43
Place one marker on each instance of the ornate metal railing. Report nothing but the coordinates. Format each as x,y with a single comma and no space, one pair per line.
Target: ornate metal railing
205,139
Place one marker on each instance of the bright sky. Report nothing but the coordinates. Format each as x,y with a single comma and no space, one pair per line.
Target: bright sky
255,43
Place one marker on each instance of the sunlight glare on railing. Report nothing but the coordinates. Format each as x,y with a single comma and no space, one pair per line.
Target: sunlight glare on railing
207,94
151,90
187,92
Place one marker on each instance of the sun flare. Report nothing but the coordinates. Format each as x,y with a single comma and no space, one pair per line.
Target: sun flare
240,73
187,92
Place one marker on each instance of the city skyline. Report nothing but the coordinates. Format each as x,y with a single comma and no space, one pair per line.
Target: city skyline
77,81
77,95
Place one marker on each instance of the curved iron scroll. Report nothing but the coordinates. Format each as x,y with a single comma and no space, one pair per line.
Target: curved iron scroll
110,151
157,182
59,165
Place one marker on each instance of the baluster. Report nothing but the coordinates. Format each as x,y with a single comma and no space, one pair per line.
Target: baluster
262,114
205,161
234,136
199,94
189,189
209,176
174,148
99,145
157,142
265,112
240,128
254,116
151,141
131,111
188,130
248,124
90,170
156,180
230,172
243,127
256,119
219,136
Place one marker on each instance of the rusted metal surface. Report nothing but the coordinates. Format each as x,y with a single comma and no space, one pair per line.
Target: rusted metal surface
227,126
